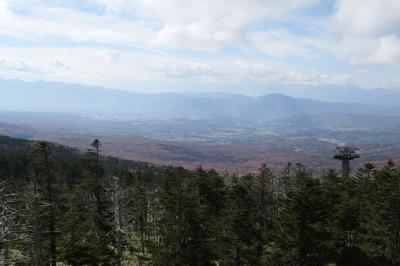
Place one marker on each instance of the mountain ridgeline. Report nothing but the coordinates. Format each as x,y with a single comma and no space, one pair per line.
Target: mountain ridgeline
61,207
58,97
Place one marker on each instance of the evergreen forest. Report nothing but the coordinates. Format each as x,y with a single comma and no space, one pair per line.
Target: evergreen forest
59,206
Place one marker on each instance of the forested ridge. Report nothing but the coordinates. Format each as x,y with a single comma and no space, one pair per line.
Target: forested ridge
58,206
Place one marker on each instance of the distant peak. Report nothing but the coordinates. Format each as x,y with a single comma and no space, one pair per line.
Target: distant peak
276,96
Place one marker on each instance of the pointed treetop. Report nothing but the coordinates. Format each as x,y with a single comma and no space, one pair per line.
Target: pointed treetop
96,144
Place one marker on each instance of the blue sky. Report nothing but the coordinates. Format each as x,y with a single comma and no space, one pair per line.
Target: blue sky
208,45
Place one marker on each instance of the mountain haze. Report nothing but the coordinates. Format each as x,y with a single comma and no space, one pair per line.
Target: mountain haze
43,96
344,94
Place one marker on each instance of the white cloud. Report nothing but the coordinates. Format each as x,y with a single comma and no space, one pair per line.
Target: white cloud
206,25
15,64
111,6
205,37
113,68
367,18
210,24
316,78
4,11
367,31
44,24
194,25
123,42
230,13
280,44
57,65
388,51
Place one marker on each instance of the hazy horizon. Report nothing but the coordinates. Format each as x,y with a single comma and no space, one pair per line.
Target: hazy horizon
256,91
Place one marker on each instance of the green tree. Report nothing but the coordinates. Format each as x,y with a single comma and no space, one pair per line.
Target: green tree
46,174
240,223
300,225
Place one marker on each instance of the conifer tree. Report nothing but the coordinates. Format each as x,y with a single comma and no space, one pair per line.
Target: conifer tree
265,185
299,228
240,223
43,167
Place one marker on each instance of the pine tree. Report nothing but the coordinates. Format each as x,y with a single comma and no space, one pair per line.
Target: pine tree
240,223
265,189
43,168
388,180
300,224
211,193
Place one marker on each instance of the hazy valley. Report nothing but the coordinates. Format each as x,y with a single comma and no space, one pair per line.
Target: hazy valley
222,131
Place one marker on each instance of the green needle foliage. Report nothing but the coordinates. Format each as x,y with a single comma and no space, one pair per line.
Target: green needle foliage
62,207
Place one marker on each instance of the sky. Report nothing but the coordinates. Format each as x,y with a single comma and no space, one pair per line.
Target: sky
210,45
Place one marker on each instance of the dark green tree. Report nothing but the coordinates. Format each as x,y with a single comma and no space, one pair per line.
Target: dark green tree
240,223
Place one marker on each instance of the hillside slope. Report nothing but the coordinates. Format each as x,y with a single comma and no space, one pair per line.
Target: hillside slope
58,97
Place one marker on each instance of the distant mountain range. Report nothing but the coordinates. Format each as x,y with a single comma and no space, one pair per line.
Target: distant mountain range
342,94
16,95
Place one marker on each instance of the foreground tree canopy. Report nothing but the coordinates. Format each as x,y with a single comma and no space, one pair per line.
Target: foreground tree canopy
58,206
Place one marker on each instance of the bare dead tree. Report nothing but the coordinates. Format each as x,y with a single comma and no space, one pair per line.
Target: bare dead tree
117,222
36,211
6,217
9,224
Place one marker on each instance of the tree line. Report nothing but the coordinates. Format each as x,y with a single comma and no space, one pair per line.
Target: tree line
89,209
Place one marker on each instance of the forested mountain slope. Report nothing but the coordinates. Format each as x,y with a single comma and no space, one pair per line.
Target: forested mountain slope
10,145
87,209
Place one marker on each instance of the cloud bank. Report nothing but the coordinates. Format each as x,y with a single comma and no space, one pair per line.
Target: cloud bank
137,44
